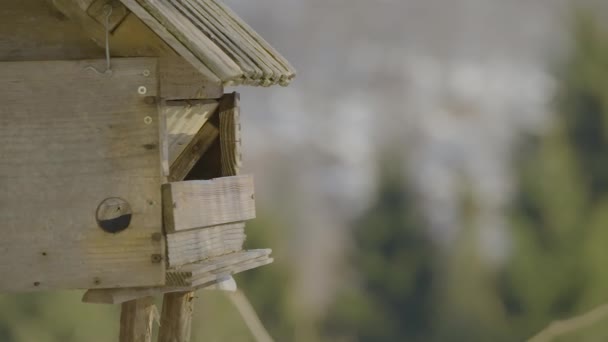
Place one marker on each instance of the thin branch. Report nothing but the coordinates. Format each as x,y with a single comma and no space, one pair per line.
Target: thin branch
562,327
251,319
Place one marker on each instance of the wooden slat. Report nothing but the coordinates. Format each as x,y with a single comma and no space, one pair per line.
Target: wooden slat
176,321
289,72
170,39
186,8
218,19
122,295
199,244
194,204
184,121
70,138
199,144
230,134
191,38
136,320
209,270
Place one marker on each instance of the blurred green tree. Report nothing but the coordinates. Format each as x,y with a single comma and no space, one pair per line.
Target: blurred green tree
390,295
561,210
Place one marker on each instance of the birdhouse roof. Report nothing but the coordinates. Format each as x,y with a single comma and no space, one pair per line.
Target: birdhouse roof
211,36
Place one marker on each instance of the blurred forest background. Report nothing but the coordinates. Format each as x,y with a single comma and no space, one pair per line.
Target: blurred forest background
438,172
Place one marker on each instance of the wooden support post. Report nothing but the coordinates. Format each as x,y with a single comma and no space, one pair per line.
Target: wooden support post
136,320
176,319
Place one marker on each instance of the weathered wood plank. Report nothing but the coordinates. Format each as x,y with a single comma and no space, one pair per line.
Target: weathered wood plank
162,32
230,134
196,149
52,37
136,320
185,8
122,295
179,80
176,321
131,38
69,139
209,270
199,244
190,37
184,121
194,204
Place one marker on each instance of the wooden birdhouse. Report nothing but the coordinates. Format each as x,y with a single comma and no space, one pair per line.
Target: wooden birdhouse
119,151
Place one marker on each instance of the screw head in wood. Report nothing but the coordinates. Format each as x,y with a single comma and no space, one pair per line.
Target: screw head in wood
150,100
114,215
148,120
157,258
142,90
146,73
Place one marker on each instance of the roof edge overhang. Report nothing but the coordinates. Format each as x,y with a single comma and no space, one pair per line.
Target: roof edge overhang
218,43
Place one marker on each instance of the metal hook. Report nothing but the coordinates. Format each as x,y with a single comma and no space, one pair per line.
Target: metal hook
108,8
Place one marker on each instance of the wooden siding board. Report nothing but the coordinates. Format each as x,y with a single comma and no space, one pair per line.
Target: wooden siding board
70,138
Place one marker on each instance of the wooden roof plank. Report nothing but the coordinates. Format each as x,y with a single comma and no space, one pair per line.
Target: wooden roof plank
223,24
215,40
246,38
274,53
249,69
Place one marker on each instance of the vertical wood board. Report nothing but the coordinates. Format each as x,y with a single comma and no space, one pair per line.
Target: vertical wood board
69,139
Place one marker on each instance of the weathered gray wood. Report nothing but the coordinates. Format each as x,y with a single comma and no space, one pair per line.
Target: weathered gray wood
184,121
122,295
176,319
186,9
209,270
130,38
195,204
99,10
131,33
35,30
199,244
206,244
189,36
136,320
230,134
69,139
179,80
190,155
290,72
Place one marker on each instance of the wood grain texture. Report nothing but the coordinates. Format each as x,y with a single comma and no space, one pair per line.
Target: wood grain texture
70,138
200,244
216,268
189,36
176,318
195,204
179,80
131,38
53,36
230,134
184,121
98,10
122,295
200,143
136,320
170,40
